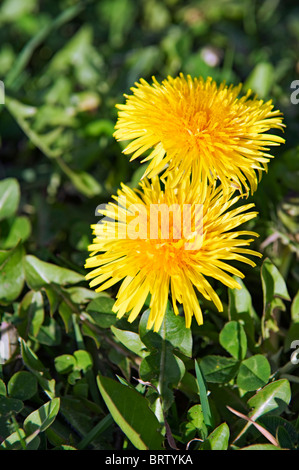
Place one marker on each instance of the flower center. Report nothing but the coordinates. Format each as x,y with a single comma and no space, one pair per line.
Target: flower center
198,122
169,243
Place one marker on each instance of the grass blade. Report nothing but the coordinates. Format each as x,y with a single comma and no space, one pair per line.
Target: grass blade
95,432
203,394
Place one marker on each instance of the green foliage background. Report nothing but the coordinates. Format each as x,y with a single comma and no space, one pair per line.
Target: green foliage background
72,376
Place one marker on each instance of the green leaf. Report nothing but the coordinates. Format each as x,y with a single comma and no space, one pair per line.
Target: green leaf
53,298
274,291
83,360
18,441
254,373
273,423
100,309
74,376
31,309
261,79
80,295
219,369
196,417
22,385
131,413
37,368
14,230
273,283
261,447
96,432
9,197
295,308
233,339
81,390
64,363
9,405
76,411
84,182
40,274
173,331
218,439
66,313
2,389
31,360
130,340
240,309
87,329
284,438
98,127
11,273
240,302
189,386
162,367
49,333
12,10
42,418
273,398
203,394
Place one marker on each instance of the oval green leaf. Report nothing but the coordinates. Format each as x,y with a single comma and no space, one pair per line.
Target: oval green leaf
9,405
273,283
219,369
132,414
65,363
273,398
22,385
9,197
14,230
173,330
254,373
100,309
42,418
11,273
130,340
218,439
233,339
40,273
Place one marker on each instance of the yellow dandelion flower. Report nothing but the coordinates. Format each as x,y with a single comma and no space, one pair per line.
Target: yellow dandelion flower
184,122
164,240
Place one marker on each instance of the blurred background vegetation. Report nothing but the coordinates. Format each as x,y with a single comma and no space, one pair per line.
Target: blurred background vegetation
65,64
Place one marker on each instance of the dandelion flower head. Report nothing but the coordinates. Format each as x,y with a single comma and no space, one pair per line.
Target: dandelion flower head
160,241
183,122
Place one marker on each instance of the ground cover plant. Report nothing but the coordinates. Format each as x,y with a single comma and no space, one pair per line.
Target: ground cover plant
74,375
